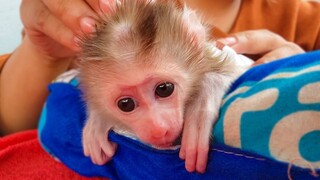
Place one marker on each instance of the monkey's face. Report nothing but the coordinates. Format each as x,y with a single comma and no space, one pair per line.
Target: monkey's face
149,104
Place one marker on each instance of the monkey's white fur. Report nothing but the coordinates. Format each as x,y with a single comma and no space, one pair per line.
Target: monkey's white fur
141,45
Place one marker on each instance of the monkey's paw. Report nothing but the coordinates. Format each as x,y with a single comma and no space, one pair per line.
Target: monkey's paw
195,142
95,141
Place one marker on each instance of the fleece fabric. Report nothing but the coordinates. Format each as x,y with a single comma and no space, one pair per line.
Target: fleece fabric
22,157
64,117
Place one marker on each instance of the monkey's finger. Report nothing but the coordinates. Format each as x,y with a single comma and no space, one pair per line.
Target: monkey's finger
108,147
86,144
182,152
287,50
202,158
77,15
185,136
191,158
186,127
97,154
100,158
85,147
203,146
191,146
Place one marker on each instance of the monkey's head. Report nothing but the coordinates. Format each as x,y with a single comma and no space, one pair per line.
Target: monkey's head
142,67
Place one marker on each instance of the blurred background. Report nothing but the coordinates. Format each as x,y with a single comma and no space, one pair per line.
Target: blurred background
10,25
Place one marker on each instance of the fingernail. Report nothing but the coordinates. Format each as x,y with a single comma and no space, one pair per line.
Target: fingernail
229,40
220,45
88,25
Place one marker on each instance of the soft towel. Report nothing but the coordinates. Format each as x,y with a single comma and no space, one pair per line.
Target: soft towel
22,157
64,116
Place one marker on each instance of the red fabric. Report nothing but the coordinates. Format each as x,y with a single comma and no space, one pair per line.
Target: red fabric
21,157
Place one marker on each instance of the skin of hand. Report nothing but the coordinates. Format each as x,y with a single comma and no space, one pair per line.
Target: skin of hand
51,32
262,42
55,27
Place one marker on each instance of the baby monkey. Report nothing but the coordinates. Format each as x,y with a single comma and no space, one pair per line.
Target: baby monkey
152,72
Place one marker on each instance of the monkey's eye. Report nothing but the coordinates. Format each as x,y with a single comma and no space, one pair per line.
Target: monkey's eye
165,89
126,104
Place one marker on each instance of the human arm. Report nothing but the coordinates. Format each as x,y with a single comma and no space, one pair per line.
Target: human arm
23,86
47,49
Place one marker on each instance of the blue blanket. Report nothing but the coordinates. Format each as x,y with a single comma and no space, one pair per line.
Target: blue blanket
274,110
64,116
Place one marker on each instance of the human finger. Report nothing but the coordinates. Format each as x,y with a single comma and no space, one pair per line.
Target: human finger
39,22
286,50
101,6
77,15
254,41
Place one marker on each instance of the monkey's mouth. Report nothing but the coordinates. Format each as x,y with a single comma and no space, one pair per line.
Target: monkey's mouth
163,146
168,144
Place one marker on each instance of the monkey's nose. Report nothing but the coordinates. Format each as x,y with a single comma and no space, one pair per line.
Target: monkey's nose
159,132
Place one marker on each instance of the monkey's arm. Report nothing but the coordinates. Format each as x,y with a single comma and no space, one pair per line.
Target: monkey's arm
204,110
199,119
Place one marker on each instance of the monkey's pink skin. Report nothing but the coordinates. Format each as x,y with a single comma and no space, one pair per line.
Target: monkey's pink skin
95,143
135,51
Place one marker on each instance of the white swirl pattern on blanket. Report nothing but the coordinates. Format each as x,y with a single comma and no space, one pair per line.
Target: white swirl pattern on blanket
278,116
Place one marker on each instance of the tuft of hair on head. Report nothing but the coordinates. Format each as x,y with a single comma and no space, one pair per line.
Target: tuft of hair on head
140,28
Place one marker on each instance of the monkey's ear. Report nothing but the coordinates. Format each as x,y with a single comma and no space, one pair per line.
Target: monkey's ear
195,27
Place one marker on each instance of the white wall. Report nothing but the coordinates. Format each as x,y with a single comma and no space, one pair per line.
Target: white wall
10,25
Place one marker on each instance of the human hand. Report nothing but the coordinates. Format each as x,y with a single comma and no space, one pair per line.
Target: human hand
262,42
55,27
